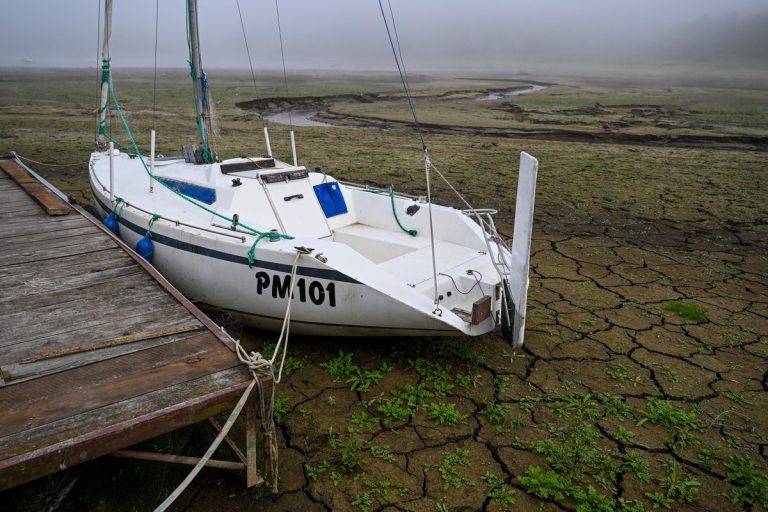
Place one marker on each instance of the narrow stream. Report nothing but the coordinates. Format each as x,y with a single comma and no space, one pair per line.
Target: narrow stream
298,117
304,117
512,92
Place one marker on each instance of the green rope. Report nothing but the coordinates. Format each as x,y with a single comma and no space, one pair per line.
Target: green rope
411,232
260,234
155,216
119,145
252,251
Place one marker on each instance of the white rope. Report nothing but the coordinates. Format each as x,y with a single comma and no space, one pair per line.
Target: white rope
49,165
224,431
259,366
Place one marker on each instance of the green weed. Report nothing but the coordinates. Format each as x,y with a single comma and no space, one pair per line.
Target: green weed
364,421
688,311
495,412
314,472
681,423
444,413
749,486
382,452
280,409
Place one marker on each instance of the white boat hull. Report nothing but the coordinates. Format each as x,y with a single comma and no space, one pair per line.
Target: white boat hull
337,290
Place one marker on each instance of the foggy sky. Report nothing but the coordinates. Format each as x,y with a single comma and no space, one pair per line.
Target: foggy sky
350,34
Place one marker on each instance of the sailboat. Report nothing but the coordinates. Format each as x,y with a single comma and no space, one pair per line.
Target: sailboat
260,238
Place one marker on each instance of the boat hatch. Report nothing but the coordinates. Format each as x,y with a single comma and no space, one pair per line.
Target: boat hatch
252,164
203,194
295,204
275,177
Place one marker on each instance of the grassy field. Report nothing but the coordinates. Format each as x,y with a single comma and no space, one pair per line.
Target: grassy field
643,384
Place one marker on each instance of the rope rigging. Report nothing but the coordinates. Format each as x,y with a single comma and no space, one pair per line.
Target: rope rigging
427,162
259,367
282,56
260,234
247,49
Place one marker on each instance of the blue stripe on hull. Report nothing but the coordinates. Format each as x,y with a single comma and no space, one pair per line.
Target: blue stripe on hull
319,273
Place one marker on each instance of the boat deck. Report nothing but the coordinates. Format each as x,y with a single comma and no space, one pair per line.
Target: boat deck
97,350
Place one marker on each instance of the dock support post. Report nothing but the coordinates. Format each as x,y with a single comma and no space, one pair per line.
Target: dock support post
251,429
266,139
293,150
152,162
111,173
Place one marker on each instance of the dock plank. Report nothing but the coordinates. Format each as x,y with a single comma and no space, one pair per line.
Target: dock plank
20,372
81,310
41,401
43,292
190,407
41,252
171,315
88,421
50,202
64,268
40,236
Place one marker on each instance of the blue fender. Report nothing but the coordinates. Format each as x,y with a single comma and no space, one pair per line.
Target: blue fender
112,223
145,248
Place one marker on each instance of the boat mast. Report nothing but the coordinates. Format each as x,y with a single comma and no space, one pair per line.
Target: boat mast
202,108
106,77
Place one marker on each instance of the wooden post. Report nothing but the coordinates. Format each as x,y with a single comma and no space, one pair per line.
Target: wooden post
251,430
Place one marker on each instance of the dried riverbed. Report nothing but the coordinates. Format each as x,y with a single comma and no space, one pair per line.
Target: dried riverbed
643,384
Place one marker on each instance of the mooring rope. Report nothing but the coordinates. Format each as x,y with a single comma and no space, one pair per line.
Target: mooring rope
204,460
50,165
260,367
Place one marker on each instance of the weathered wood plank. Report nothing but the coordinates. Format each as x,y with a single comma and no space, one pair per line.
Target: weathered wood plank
34,235
83,311
42,252
41,401
64,268
20,372
15,172
42,292
50,202
50,223
15,248
23,210
65,260
103,328
77,439
15,199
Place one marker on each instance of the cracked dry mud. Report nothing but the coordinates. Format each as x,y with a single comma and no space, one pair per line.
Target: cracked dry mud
616,402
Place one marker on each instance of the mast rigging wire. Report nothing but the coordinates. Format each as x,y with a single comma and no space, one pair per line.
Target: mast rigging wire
282,55
402,78
427,162
397,40
247,50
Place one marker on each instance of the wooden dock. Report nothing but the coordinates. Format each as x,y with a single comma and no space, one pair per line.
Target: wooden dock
97,351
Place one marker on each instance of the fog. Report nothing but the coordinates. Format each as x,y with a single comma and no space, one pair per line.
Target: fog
434,34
